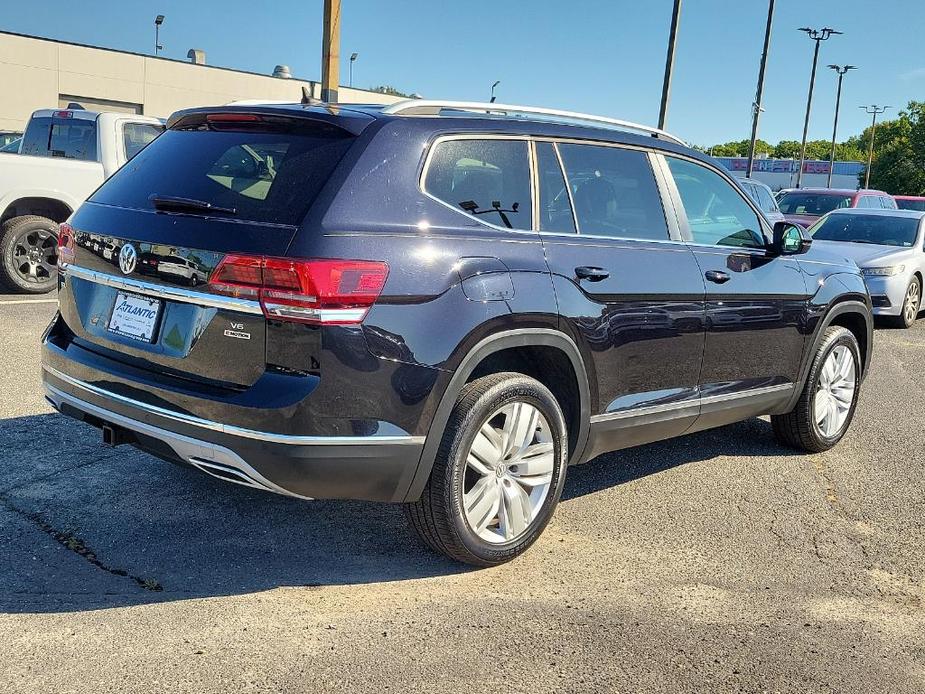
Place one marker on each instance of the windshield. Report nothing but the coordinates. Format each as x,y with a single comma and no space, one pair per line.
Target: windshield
918,205
812,204
882,230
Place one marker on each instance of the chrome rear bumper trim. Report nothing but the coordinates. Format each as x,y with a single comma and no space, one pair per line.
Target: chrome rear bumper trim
162,291
211,458
228,428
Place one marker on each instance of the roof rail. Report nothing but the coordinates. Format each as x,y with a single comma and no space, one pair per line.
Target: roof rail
429,107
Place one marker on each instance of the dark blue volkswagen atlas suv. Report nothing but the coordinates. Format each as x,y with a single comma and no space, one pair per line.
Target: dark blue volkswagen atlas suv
440,304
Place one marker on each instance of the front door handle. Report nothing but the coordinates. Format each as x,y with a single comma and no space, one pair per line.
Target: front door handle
717,276
592,274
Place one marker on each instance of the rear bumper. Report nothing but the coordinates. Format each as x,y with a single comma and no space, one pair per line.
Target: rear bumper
375,468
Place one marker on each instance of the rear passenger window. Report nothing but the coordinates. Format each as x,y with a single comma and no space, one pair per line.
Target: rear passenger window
555,205
489,179
716,212
614,192
887,203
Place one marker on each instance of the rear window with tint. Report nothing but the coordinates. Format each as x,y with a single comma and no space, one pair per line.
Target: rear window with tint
918,205
67,138
264,176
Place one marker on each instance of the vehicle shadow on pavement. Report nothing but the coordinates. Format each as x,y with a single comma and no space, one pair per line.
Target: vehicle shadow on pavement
88,527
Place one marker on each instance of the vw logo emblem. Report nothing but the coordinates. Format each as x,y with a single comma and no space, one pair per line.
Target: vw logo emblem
128,259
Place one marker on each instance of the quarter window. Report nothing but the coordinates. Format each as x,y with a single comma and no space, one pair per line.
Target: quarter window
614,192
555,205
716,212
488,179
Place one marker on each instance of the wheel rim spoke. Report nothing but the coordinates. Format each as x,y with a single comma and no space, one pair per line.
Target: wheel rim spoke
482,503
516,510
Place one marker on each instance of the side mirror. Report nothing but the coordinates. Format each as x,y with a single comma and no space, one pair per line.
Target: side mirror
789,239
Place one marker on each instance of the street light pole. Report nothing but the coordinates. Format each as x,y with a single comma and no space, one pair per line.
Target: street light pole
492,100
817,35
873,110
157,33
669,65
841,70
758,94
353,59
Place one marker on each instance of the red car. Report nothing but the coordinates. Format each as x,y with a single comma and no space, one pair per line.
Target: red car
804,206
910,202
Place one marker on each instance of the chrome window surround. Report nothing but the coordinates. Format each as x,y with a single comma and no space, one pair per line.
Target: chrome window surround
228,428
674,230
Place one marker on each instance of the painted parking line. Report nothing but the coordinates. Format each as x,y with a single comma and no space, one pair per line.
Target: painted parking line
9,302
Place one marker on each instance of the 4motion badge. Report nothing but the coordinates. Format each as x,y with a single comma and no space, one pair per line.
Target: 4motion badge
237,331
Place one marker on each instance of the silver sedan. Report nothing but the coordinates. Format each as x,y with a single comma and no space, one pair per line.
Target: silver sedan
889,247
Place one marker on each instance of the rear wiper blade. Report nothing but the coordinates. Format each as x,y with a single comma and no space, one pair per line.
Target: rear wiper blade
172,202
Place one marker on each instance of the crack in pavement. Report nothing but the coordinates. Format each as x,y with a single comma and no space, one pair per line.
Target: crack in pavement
76,545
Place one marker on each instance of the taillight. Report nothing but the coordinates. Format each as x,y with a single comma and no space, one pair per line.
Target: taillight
330,292
67,251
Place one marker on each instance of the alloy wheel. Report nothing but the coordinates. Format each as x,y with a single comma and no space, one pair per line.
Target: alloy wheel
35,255
509,470
913,298
835,392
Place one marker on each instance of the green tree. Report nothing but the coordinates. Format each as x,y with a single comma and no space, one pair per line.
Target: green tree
738,148
899,152
388,89
787,149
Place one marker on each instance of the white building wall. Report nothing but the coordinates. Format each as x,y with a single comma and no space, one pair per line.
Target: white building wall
41,73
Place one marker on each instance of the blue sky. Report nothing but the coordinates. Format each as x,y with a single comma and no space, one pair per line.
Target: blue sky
586,55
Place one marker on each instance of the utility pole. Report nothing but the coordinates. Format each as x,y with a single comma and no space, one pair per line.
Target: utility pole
817,35
873,110
841,70
758,94
669,65
330,51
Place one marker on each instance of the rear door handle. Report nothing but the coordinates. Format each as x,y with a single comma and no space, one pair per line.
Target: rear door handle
717,276
592,274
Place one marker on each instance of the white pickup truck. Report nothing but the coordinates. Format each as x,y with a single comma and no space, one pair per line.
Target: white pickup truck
63,157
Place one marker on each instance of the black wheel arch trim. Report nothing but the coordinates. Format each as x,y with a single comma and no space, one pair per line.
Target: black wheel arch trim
518,337
842,307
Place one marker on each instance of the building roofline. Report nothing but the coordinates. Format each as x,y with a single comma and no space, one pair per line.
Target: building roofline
173,60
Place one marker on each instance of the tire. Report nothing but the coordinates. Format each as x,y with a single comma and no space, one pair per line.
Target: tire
801,427
29,247
912,304
458,481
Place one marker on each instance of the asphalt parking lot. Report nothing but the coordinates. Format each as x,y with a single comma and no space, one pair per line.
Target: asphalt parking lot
716,562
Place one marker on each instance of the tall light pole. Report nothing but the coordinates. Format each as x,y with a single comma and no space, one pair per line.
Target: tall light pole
841,70
760,91
353,59
669,65
157,33
817,35
492,100
874,110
